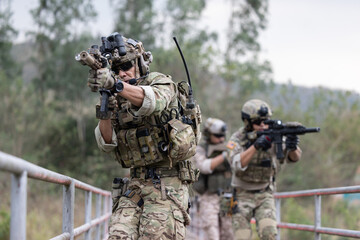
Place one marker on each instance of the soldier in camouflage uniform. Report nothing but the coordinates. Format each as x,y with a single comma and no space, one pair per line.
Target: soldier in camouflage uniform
254,166
215,177
153,204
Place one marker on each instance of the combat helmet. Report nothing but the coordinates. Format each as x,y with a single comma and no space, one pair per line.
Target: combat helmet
254,109
214,126
126,52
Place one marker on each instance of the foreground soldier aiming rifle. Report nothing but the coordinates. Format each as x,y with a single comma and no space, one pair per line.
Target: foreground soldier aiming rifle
146,123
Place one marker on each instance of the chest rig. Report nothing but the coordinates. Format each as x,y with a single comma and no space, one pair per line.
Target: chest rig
262,167
219,180
145,140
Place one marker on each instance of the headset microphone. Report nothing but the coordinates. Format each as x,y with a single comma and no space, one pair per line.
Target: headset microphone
132,81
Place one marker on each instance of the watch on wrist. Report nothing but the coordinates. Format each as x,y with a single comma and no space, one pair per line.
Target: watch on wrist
119,87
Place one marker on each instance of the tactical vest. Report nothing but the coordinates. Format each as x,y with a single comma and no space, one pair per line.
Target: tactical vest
262,166
145,140
218,180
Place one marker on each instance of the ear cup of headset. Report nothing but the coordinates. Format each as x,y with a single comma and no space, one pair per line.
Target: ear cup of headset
144,68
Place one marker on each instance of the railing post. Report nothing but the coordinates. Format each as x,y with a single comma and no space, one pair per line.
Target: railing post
88,202
107,204
109,211
278,216
18,206
317,216
68,208
98,214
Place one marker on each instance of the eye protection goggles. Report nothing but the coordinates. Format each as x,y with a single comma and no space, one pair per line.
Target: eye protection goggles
219,135
258,121
126,66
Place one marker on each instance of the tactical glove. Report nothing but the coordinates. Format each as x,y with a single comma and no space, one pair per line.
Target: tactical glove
100,78
291,142
263,143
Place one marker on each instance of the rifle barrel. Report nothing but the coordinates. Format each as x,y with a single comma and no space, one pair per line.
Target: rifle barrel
314,129
86,59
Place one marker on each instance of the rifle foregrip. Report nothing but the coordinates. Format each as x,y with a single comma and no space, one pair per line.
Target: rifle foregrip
104,110
279,151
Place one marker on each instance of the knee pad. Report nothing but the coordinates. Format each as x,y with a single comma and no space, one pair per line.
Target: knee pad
268,233
267,229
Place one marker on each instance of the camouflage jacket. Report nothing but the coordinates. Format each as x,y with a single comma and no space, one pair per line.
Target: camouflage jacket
254,176
160,97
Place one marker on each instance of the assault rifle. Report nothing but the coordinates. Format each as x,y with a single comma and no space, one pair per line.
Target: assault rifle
277,130
97,58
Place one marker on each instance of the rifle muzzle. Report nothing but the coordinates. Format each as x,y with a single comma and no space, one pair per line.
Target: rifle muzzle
86,59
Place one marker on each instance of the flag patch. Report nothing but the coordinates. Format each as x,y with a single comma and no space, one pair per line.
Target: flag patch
231,145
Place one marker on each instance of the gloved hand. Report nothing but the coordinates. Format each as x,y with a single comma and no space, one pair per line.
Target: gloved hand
291,142
263,142
100,78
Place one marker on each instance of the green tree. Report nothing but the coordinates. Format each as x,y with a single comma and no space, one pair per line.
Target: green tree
7,35
56,44
183,15
248,18
136,20
13,92
242,73
55,22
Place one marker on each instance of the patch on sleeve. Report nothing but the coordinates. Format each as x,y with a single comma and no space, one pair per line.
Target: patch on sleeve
231,145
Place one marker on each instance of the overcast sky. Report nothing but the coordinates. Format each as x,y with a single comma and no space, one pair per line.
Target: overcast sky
310,42
314,42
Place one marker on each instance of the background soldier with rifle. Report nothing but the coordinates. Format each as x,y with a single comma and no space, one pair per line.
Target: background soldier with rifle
255,161
215,176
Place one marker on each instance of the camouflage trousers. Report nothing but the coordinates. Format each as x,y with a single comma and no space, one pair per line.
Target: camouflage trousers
215,226
261,206
158,218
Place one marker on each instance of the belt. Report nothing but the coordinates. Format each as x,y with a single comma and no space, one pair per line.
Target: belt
159,172
253,191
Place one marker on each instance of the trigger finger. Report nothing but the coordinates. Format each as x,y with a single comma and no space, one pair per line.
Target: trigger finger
93,80
92,72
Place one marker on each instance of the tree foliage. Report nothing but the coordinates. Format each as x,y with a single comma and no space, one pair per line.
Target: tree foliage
55,21
183,16
248,18
136,20
7,34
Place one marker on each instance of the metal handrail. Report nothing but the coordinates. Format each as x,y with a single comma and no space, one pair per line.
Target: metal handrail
316,228
22,169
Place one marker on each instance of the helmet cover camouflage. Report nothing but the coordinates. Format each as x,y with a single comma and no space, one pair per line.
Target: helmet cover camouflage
254,109
215,126
135,53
